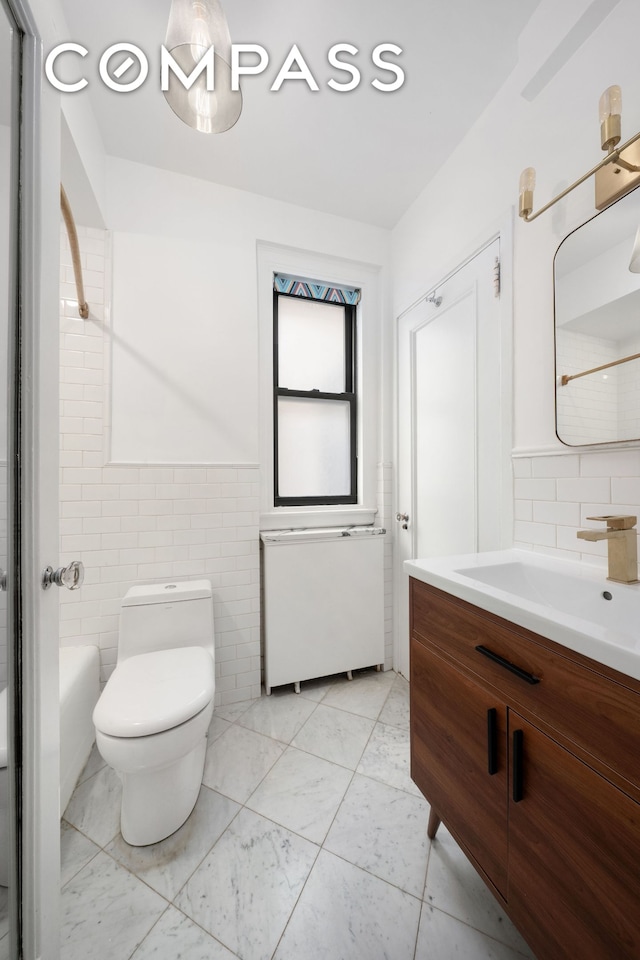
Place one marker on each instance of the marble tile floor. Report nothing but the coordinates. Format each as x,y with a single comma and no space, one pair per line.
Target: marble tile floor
308,842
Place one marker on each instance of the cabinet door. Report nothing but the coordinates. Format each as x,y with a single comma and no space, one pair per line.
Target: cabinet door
455,723
574,856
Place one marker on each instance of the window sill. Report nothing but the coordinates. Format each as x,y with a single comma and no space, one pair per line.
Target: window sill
288,518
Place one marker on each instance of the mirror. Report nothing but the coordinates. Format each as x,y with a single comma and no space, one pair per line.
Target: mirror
597,328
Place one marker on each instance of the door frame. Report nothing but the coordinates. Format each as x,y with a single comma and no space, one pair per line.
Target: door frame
36,718
502,230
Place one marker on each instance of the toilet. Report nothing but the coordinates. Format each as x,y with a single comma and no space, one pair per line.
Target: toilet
153,715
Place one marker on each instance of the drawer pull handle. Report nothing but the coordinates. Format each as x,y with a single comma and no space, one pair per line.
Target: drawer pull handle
492,741
519,672
518,772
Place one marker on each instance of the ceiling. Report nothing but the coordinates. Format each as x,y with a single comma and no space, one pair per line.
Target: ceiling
363,154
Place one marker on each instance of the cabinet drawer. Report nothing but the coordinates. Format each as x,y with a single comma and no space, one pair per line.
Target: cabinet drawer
590,705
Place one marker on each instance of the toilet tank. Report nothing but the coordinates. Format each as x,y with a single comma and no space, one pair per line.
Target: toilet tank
162,616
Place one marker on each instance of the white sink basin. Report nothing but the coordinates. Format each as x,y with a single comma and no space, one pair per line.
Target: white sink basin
571,603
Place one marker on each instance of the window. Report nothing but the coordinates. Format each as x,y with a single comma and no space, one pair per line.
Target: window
314,404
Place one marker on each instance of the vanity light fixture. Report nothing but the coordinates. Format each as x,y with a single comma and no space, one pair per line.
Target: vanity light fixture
194,26
616,175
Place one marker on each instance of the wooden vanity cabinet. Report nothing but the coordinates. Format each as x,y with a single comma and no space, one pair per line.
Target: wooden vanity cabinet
450,747
552,827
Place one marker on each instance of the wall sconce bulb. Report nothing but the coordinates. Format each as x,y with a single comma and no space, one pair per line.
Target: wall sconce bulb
526,188
610,112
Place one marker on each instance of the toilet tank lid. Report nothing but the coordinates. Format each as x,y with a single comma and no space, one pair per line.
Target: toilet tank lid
167,592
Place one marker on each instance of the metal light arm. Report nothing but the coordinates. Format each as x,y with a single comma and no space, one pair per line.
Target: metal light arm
613,157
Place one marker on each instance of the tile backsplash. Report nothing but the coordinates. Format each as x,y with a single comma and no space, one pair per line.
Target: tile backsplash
554,495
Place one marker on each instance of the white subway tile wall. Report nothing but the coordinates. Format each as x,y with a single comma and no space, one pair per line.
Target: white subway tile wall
588,408
142,524
629,390
554,496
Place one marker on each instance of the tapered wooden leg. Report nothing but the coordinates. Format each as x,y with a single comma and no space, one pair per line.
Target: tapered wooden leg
434,823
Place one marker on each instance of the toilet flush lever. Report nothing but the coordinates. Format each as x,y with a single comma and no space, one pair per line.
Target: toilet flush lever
70,576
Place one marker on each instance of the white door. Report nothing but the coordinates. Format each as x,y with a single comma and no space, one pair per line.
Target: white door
451,448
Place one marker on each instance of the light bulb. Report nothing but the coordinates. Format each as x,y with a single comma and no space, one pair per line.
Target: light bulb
527,179
527,185
610,121
200,36
610,103
204,104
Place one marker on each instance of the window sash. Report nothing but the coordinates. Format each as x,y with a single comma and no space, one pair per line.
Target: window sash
348,395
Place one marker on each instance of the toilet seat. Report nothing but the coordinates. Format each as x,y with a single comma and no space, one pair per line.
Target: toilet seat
154,692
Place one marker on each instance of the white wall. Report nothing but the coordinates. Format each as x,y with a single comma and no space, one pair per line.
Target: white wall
597,282
558,134
183,353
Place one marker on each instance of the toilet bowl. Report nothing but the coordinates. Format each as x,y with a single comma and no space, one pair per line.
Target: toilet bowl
153,715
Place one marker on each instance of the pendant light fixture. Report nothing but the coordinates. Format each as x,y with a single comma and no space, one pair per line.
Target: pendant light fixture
195,26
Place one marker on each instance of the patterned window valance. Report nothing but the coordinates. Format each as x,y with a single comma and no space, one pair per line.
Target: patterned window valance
315,291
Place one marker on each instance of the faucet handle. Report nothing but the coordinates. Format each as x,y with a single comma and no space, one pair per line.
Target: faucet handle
617,521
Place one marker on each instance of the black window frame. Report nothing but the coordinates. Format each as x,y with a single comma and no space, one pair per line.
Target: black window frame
349,395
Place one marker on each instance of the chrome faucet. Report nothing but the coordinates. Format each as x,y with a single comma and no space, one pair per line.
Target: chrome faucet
622,544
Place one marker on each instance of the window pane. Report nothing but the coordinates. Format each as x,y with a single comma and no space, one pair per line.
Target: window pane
313,448
310,345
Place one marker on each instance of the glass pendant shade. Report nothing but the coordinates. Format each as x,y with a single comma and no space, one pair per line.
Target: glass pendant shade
194,26
634,263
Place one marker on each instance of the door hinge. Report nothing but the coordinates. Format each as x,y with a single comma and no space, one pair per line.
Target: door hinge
496,277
